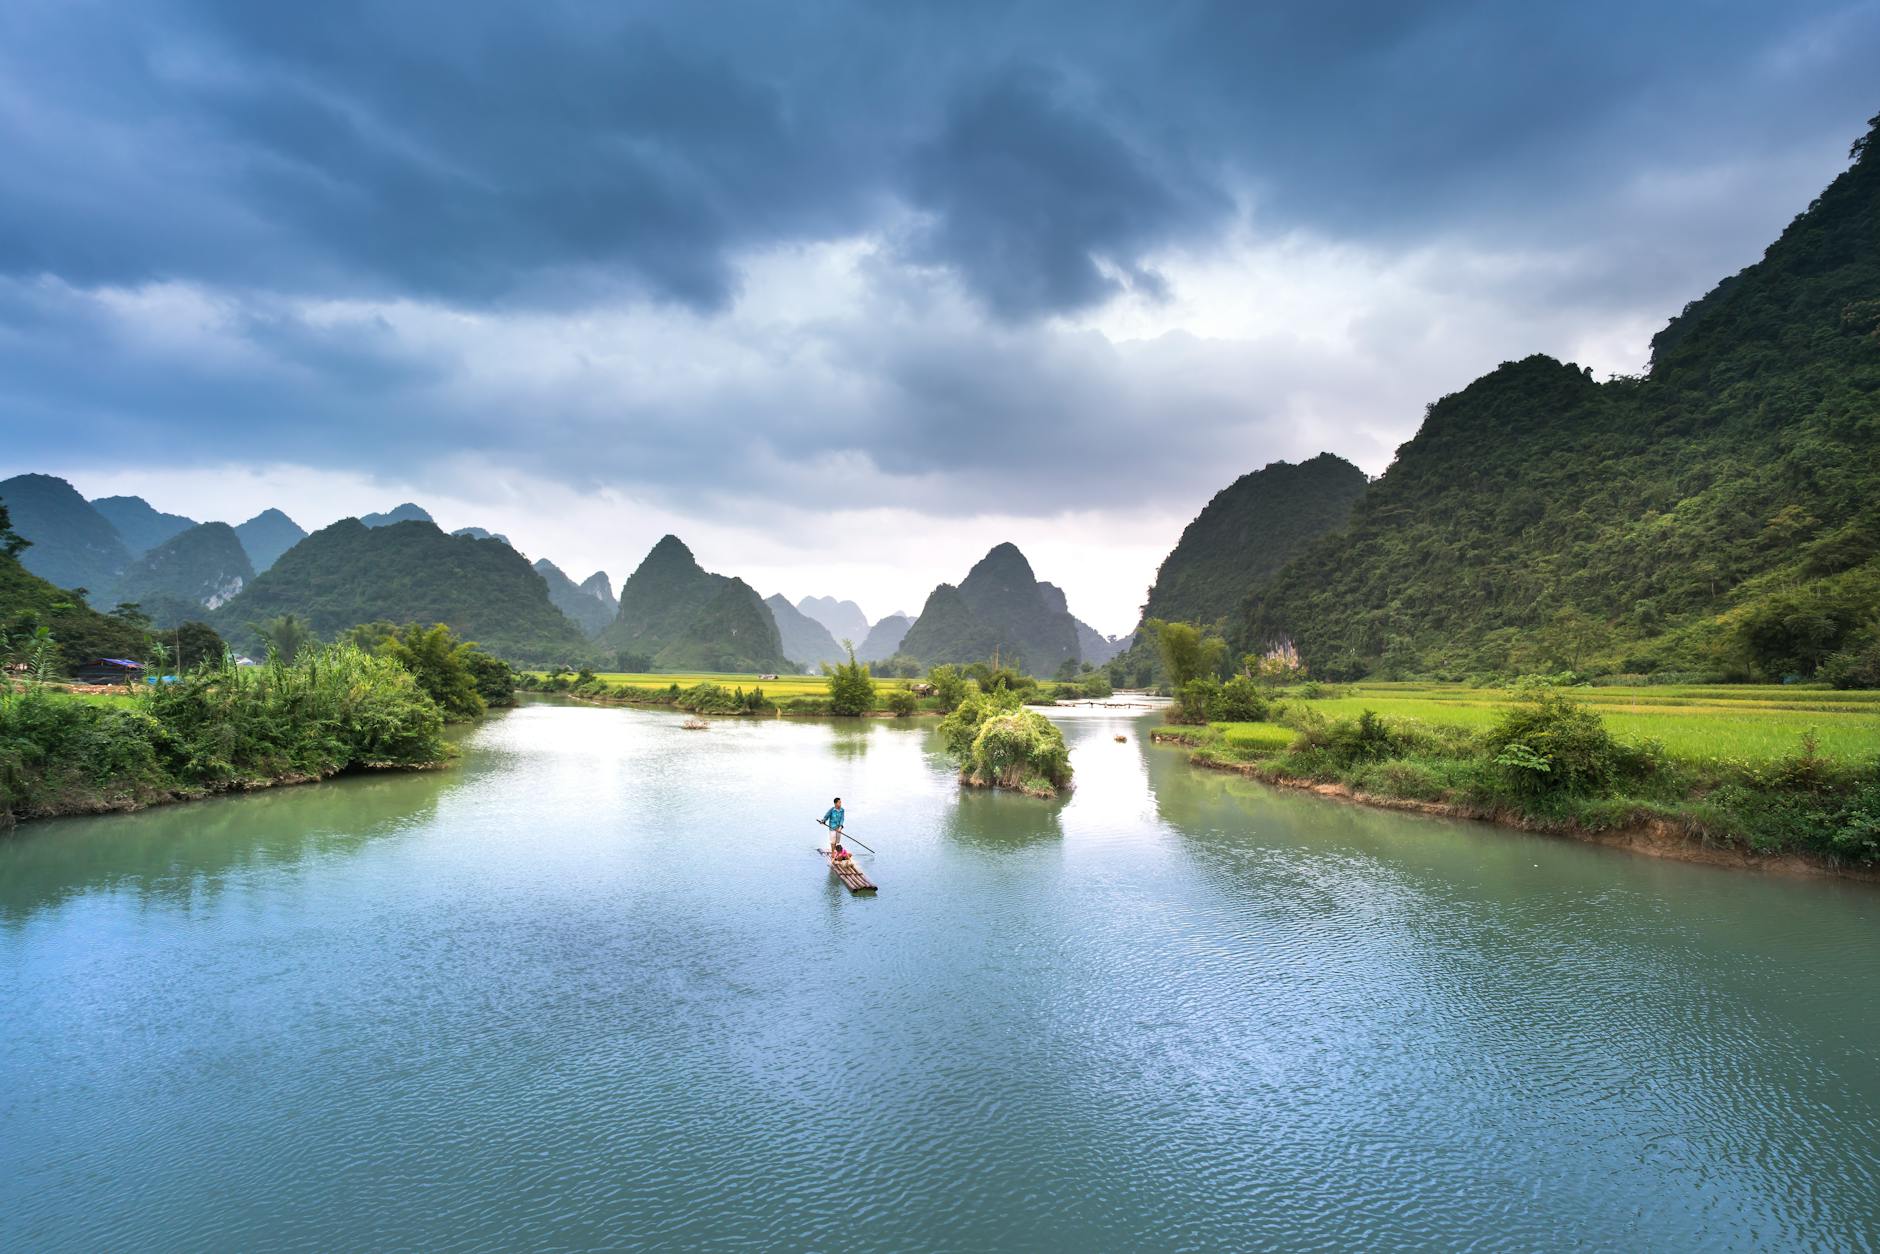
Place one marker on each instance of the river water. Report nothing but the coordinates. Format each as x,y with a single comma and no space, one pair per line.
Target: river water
593,989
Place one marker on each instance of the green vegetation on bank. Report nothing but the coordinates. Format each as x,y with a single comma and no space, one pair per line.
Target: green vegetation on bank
998,743
1765,770
215,728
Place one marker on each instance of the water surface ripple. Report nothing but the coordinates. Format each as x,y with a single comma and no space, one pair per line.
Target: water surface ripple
593,989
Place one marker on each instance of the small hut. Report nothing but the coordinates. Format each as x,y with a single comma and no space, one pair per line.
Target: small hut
107,670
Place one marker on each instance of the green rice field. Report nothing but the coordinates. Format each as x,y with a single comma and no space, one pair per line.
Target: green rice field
1743,723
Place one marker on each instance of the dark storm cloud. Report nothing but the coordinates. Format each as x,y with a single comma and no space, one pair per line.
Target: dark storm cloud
493,153
492,162
1032,196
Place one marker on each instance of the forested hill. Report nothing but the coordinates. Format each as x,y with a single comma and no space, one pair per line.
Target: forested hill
187,575
1000,606
1720,515
73,545
675,615
1246,533
349,573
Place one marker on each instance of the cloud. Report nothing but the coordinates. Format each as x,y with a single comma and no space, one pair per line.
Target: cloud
964,269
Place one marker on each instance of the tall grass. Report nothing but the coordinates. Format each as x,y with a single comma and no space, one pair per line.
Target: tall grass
333,709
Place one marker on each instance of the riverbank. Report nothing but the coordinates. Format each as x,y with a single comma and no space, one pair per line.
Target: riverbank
216,730
1712,823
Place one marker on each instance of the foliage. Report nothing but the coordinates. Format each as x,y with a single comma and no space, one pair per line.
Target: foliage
999,744
851,691
441,664
1552,744
1188,652
949,686
1239,700
349,573
78,632
902,703
197,644
898,666
335,708
1717,515
284,636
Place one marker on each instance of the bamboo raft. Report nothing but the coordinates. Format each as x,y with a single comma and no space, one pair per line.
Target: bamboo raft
850,874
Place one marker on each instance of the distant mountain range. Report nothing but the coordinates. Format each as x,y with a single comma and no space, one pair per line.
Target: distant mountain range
401,513
884,638
140,526
671,614
589,603
843,620
268,535
805,640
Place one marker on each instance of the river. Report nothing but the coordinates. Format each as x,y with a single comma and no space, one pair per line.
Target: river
593,988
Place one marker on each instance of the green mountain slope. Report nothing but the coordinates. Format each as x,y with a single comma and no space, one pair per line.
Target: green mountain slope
268,535
139,525
733,632
73,545
677,613
188,574
1000,607
590,603
805,641
948,630
348,574
1247,532
80,632
1720,515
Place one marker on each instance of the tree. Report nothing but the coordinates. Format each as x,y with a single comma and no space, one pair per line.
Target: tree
12,543
197,644
1187,653
851,691
949,686
441,665
286,636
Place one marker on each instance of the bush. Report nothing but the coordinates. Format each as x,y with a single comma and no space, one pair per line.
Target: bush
1019,749
902,702
1857,667
1550,745
1193,701
851,691
1239,700
949,686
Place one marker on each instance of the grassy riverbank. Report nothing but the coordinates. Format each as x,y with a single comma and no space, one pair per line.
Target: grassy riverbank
215,729
1762,770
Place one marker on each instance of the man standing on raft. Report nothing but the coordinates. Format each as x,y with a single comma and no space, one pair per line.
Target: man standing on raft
833,821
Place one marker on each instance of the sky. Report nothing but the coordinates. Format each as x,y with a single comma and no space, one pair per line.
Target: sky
845,294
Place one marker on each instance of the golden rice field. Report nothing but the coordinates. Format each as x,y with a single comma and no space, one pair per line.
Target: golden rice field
1746,723
781,688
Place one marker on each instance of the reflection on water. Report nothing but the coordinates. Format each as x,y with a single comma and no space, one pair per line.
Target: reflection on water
594,987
